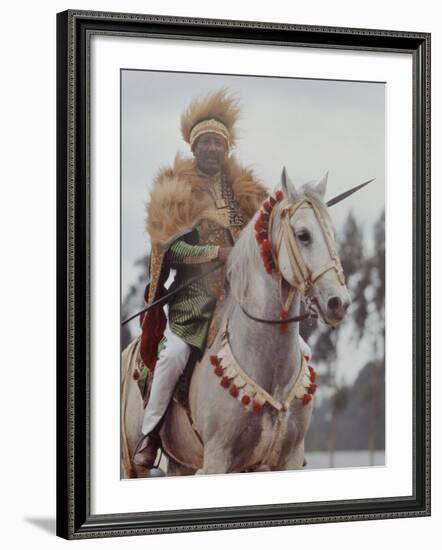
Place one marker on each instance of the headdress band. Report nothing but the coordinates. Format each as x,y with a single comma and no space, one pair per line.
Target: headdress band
210,125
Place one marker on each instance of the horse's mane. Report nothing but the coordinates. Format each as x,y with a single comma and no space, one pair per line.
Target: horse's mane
245,257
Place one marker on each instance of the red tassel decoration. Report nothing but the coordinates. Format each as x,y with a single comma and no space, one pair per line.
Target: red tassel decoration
279,195
245,399
306,399
218,370
266,205
225,382
214,359
233,391
261,224
312,388
284,327
257,407
264,215
312,373
266,246
136,374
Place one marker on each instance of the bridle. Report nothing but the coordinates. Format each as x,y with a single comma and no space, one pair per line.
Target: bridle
296,273
302,278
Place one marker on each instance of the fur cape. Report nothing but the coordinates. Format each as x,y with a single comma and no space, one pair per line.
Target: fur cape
179,197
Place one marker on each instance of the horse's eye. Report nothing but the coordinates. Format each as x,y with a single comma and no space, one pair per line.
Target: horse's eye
304,236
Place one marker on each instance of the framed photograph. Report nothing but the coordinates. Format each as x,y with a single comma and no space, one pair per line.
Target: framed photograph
243,274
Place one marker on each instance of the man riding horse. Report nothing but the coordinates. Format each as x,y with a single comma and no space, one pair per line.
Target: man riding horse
196,212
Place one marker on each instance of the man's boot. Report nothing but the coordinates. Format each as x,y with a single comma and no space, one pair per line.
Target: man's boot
146,450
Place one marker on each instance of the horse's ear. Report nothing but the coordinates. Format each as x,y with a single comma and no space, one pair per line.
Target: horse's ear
287,185
321,186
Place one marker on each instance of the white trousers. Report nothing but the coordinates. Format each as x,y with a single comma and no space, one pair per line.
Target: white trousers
169,367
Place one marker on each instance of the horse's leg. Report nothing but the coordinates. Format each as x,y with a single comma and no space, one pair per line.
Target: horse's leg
174,468
217,458
294,461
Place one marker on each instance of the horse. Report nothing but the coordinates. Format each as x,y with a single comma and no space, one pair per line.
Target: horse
250,395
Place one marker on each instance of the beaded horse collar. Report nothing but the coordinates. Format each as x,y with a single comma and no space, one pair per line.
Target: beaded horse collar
250,393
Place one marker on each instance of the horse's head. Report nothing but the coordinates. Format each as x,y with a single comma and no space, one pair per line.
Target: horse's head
304,249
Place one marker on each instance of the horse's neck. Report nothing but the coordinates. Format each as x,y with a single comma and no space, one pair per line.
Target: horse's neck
270,357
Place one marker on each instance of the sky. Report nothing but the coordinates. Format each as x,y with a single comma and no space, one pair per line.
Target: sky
308,126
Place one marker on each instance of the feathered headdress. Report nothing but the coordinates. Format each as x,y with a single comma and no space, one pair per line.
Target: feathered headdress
217,113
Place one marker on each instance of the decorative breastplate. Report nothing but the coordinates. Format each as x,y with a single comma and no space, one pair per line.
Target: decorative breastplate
220,224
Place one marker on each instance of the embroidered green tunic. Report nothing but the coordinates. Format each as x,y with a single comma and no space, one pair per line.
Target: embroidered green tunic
190,312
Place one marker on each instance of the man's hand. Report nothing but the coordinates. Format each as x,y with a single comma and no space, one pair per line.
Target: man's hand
223,253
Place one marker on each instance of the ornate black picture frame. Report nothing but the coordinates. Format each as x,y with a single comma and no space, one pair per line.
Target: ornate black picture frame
74,32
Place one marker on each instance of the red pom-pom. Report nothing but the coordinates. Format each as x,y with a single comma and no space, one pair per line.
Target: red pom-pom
136,374
257,407
283,328
214,359
266,246
307,357
225,382
264,215
312,388
218,370
279,195
261,225
259,238
312,373
267,205
245,399
233,391
306,399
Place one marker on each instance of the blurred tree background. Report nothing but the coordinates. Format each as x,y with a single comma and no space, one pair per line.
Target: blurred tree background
348,415
352,416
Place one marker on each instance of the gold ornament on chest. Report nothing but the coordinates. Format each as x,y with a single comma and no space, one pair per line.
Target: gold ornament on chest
224,201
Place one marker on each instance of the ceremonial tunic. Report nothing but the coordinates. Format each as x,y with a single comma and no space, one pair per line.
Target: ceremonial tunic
191,311
191,215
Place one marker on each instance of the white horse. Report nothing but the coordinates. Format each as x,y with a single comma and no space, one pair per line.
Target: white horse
250,395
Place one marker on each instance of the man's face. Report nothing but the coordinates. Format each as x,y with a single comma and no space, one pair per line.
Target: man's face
210,151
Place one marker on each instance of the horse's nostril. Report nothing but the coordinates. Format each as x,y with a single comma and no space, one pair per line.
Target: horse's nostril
334,303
